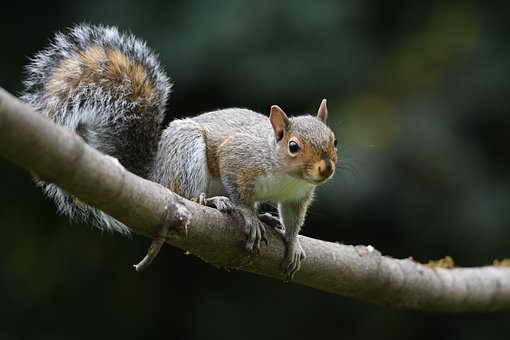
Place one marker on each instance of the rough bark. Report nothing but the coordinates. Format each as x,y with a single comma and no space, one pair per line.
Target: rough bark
57,155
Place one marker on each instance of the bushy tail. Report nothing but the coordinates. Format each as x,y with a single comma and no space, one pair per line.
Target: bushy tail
110,89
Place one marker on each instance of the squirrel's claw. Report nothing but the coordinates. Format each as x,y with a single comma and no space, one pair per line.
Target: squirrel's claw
292,261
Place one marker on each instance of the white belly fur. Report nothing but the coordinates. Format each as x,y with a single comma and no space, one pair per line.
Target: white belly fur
280,188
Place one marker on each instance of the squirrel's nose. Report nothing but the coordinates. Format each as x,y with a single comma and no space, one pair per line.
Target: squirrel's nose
326,168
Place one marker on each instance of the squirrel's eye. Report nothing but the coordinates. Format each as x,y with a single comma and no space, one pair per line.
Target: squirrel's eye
293,147
335,143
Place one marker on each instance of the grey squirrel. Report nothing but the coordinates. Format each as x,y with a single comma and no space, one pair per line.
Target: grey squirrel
111,90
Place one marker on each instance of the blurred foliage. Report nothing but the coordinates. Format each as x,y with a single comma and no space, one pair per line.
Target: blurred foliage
418,97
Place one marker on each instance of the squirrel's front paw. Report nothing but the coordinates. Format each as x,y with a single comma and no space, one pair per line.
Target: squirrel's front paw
292,261
255,232
221,203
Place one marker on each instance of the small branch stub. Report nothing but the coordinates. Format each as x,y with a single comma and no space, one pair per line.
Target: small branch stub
179,224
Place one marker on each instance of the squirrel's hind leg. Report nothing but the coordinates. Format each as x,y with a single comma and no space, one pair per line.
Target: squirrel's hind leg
181,160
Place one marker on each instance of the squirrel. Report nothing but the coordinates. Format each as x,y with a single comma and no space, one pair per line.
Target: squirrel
110,88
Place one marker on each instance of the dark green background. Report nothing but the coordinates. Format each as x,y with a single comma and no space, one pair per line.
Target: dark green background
418,94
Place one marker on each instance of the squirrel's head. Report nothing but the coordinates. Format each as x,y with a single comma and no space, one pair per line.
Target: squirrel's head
307,146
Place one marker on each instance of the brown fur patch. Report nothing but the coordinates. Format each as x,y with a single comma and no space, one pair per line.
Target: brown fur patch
91,59
96,67
176,188
245,180
211,151
121,68
212,162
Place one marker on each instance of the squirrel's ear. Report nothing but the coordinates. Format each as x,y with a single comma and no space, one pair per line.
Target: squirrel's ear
279,121
323,111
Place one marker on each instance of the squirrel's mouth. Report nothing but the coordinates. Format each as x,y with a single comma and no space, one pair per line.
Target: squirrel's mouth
317,181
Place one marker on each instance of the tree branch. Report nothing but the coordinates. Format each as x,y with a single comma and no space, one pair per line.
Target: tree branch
57,155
